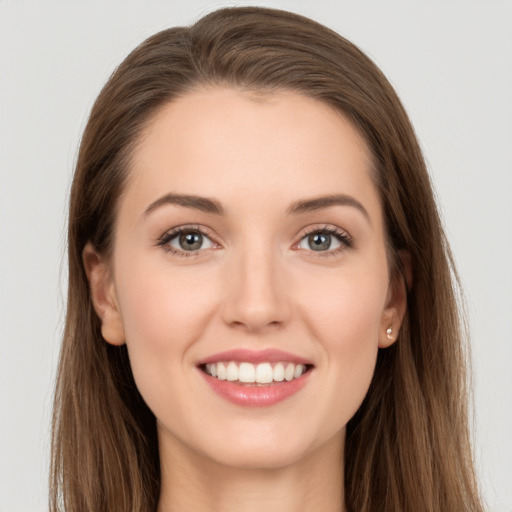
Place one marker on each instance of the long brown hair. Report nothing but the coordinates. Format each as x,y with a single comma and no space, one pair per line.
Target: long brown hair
407,447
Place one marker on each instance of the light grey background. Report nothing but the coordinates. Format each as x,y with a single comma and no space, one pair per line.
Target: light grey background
451,62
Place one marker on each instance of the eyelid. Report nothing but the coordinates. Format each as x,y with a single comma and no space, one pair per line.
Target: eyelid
344,238
172,233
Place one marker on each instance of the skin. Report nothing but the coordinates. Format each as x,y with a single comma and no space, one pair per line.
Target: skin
256,283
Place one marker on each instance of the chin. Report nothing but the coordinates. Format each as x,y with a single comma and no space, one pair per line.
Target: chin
260,457
269,449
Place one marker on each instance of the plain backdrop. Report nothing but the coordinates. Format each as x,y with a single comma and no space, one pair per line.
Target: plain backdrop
451,63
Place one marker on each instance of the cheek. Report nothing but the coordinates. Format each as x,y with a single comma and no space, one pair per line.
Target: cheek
164,313
344,317
158,305
345,309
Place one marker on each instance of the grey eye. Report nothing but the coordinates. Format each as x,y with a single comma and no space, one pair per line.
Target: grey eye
320,241
190,241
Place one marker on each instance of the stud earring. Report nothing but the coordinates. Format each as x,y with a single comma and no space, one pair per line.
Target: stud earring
389,332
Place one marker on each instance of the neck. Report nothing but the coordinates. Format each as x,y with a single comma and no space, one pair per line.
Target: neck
190,481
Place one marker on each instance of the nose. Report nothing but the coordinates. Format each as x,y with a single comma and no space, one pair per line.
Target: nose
256,298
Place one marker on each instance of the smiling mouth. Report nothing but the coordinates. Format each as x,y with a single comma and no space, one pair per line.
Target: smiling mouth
257,375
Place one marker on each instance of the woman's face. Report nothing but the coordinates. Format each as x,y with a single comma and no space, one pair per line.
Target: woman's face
249,244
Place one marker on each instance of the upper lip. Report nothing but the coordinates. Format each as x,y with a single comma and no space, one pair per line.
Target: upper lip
254,356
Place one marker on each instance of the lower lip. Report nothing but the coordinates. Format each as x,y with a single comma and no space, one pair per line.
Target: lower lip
256,396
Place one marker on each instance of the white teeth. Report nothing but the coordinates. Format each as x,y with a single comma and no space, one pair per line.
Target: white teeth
289,371
232,371
211,369
262,373
221,371
246,373
279,372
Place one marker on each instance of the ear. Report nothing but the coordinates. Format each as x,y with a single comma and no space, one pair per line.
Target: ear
103,295
396,302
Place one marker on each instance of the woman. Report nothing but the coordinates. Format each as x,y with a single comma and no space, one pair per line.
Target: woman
261,310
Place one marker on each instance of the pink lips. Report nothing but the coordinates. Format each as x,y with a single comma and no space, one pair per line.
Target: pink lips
249,395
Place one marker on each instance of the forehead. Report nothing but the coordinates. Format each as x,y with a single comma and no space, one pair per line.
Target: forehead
228,143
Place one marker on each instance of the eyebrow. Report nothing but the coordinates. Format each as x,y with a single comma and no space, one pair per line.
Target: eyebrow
203,204
319,203
208,205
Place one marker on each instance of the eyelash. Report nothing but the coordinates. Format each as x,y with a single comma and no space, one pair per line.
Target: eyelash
164,240
341,236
